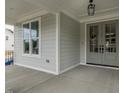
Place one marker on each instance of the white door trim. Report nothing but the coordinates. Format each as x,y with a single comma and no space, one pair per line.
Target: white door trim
106,67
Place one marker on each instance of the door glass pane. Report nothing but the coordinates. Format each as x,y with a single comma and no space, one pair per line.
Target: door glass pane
91,48
26,36
107,30
110,37
113,30
93,39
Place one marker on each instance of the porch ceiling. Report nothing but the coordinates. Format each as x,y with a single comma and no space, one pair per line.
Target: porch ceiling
77,8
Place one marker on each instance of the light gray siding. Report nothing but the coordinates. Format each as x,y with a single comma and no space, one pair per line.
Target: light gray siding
48,45
82,43
69,42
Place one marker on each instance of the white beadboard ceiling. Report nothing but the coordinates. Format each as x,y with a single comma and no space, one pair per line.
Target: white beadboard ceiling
77,8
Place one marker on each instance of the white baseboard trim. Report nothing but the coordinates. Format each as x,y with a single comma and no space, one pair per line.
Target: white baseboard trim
41,69
99,66
69,68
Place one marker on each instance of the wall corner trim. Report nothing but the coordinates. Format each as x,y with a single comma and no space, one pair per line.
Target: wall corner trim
69,68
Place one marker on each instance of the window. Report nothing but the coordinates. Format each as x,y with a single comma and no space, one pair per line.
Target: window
31,38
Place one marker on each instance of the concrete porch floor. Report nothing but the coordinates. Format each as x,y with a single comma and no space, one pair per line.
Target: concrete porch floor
82,79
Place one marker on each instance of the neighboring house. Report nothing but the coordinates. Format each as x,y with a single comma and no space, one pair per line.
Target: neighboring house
9,45
9,39
60,38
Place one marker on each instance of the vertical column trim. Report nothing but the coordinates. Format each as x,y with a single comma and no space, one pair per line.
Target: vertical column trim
57,43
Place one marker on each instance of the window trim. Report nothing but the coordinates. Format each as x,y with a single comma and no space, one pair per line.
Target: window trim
30,44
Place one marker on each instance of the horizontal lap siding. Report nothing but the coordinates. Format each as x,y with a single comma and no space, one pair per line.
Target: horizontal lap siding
69,42
48,45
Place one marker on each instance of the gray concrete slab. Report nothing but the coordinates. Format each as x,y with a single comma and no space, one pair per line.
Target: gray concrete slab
82,79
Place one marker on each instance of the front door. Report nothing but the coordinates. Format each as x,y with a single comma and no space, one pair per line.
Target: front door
102,43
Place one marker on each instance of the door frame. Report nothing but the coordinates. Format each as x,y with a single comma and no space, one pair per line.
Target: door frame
90,22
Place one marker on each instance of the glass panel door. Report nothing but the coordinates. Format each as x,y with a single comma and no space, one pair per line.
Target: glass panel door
102,43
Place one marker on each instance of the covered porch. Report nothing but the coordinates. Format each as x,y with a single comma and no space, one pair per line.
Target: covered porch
55,36
59,48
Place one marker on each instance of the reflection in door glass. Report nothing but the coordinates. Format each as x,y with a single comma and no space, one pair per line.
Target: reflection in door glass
110,37
93,39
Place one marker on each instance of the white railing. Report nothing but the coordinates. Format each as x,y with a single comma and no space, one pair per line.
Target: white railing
9,57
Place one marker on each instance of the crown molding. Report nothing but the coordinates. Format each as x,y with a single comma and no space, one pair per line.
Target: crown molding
82,18
9,20
71,15
101,11
31,15
103,14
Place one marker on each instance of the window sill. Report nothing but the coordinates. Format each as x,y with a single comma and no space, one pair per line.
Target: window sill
31,55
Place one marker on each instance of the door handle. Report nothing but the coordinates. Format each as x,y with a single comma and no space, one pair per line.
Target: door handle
102,50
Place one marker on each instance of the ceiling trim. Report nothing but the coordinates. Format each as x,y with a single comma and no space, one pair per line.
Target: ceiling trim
9,20
71,15
102,11
80,18
32,15
103,14
40,12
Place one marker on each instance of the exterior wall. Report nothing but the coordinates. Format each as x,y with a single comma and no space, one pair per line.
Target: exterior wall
10,41
63,42
69,42
48,46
